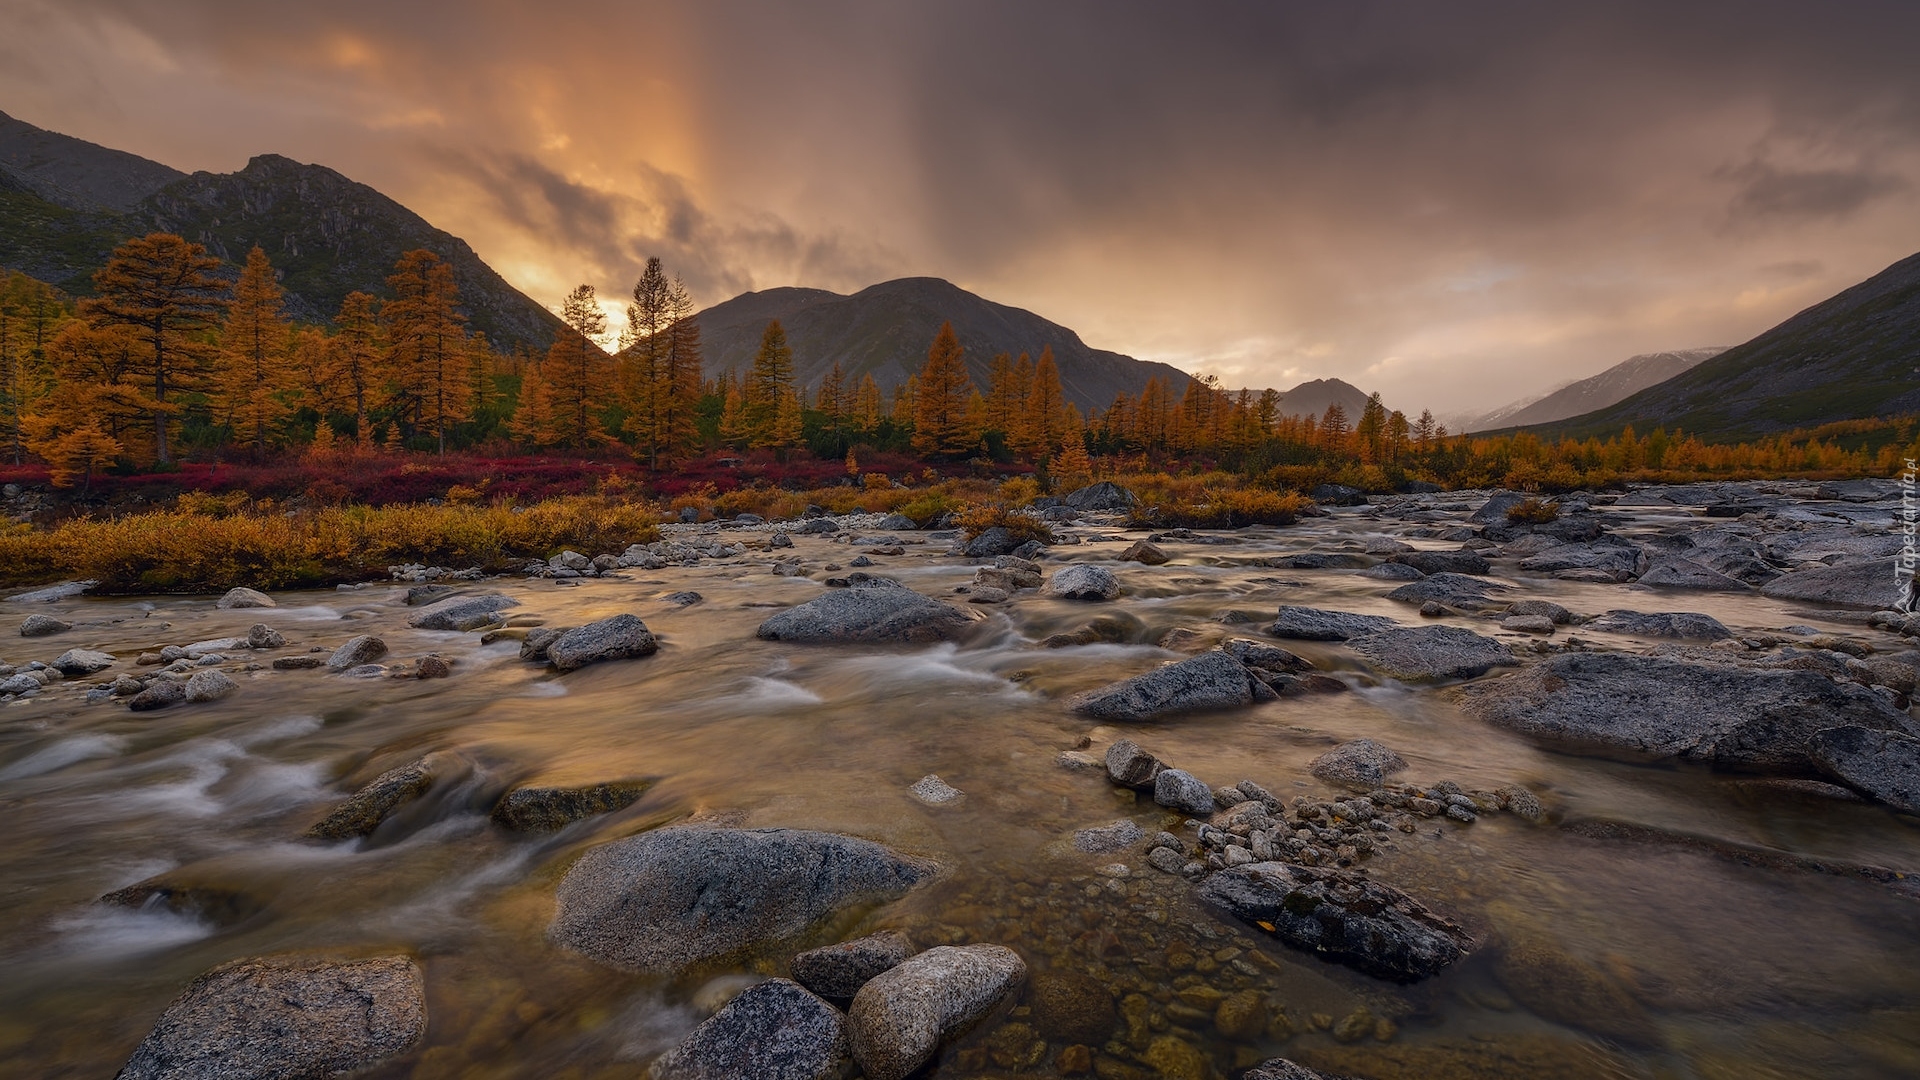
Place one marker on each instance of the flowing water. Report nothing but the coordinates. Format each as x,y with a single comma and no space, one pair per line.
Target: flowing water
1603,957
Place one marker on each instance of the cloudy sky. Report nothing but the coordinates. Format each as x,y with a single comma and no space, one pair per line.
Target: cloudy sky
1453,203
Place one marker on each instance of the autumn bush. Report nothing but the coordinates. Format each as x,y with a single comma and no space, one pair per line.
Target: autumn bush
189,551
1533,512
975,520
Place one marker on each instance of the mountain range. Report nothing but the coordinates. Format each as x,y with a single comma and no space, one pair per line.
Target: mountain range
1622,380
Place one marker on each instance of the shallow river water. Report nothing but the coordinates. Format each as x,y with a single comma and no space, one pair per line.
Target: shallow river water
1600,957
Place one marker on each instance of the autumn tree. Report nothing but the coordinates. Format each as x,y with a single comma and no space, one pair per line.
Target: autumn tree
30,314
867,404
166,291
1004,395
255,375
768,383
676,397
1334,427
940,424
356,355
1042,426
426,344
576,372
71,452
532,422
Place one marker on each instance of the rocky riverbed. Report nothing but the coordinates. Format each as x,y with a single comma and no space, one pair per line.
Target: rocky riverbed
1404,790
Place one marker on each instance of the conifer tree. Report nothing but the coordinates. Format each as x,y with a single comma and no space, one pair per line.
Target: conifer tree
427,344
532,422
788,431
1334,428
1004,395
255,375
324,445
165,290
30,314
576,370
940,400
643,356
71,453
768,383
735,430
1042,426
867,404
903,400
356,355
677,392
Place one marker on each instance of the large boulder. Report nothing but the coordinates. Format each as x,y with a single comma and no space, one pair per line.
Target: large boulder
1317,624
42,626
618,638
773,1030
242,597
839,971
1883,764
1867,585
1337,495
1453,590
1082,581
364,649
461,612
898,1020
1360,764
873,614
1211,680
1429,653
285,1018
77,662
1678,573
992,541
669,899
1144,552
1616,558
1688,625
1462,561
547,809
1105,495
1130,766
364,810
1494,510
1643,706
1177,789
1341,916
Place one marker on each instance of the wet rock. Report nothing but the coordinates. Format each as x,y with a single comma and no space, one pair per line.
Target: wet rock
76,662
1392,571
422,595
1083,582
1494,510
1316,624
1211,680
1560,616
159,694
1176,1059
1560,987
1337,495
1527,624
1521,803
1072,1008
262,636
1615,560
297,663
42,626
1428,653
180,893
898,1020
1120,835
365,809
576,562
1282,1069
461,612
1130,766
286,1018
1341,916
1643,706
621,637
209,685
773,1030
533,647
1360,764
823,526
432,666
1688,625
1145,552
992,541
1105,495
1883,764
1177,789
665,900
897,523
1265,658
1867,585
546,809
1319,560
364,649
983,594
1453,590
1676,573
839,971
873,614
1115,627
933,791
1242,1015
244,598
1443,562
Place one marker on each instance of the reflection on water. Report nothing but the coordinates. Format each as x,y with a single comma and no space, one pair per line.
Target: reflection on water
1603,957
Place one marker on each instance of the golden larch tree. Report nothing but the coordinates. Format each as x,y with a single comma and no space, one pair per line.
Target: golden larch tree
940,425
532,423
255,375
168,293
577,372
427,345
768,383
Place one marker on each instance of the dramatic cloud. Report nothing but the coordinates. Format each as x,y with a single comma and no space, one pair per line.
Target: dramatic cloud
1453,203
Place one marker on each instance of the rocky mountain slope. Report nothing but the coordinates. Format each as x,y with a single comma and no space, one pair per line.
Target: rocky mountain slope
1617,383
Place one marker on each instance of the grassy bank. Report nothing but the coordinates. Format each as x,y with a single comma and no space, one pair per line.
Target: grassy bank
205,549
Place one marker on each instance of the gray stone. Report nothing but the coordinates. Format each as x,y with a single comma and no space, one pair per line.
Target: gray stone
461,612
1494,510
1083,582
621,637
1453,590
933,791
1320,560
1527,624
1340,916
1104,495
987,594
1119,835
1130,766
570,560
285,1018
365,809
874,614
1443,562
899,1019
533,647
1676,573
77,662
1360,764
1337,495
262,636
245,598
42,626
66,590
1262,657
779,540
668,899
547,809
1316,624
421,595
297,663
993,541
1688,625
1391,571
1144,552
159,694
1282,1069
1428,653
839,971
1211,680
1867,585
1883,764
1560,616
357,651
1649,707
774,1030
1618,560
1180,790
897,523
209,686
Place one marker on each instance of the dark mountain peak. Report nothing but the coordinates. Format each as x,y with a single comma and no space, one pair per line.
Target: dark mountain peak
1313,397
75,174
